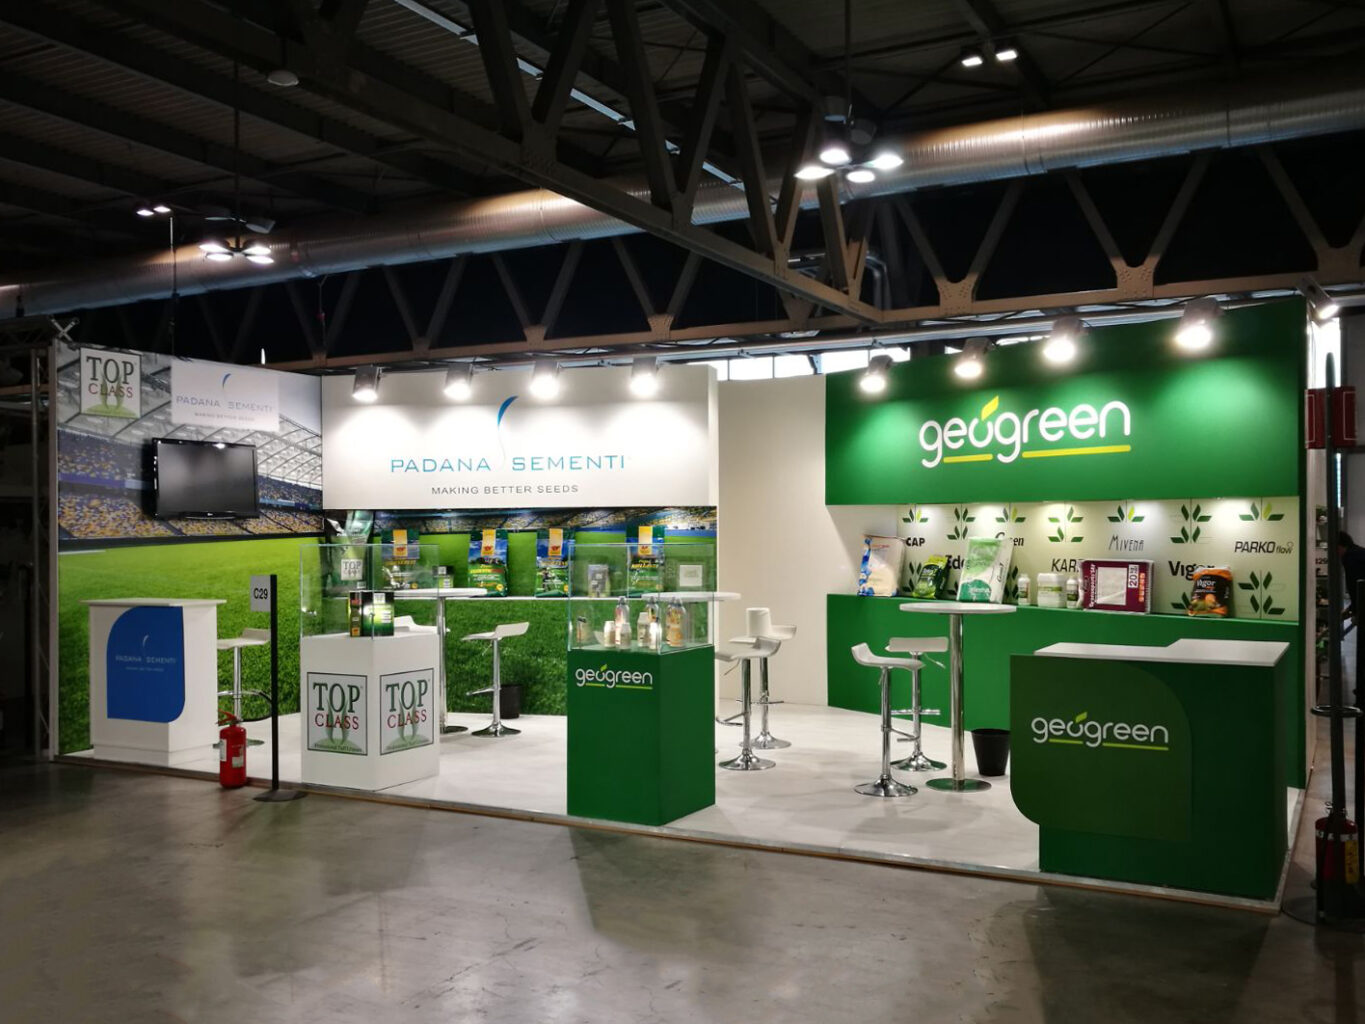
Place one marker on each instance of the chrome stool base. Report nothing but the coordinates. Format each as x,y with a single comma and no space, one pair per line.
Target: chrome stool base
747,762
886,787
497,729
767,741
917,762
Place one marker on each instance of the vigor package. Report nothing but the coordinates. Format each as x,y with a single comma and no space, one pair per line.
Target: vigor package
1212,592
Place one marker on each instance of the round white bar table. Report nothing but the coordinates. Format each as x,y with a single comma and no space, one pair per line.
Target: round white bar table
955,610
440,595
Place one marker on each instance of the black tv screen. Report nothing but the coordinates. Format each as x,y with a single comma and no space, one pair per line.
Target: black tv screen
204,479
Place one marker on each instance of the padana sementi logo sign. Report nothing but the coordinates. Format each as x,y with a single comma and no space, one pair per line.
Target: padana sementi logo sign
1003,437
1084,731
613,679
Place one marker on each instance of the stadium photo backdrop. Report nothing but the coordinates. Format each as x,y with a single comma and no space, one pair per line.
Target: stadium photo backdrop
111,405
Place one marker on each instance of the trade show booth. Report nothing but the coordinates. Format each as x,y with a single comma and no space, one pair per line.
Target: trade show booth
556,597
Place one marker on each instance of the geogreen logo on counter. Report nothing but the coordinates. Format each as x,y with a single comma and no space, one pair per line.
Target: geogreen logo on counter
614,678
1084,731
1006,436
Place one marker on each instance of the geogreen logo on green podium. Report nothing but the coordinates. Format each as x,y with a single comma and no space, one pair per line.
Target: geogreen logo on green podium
614,679
1111,736
1084,731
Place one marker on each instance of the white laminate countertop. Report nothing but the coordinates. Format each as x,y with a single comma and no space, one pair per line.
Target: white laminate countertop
155,602
1244,653
432,593
958,607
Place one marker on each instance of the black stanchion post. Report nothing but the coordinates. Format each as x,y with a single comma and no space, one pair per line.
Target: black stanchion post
274,794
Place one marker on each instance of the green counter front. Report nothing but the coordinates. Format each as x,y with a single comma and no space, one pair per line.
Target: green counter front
989,641
641,734
1157,765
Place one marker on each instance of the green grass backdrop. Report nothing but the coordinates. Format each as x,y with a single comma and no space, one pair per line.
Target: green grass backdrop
536,660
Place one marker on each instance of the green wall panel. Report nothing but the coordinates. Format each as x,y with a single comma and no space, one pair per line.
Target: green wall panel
1223,423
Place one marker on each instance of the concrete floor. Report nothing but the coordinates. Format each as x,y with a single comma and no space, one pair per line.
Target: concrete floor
131,897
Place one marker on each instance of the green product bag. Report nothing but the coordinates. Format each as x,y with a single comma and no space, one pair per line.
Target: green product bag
488,561
932,578
984,570
553,553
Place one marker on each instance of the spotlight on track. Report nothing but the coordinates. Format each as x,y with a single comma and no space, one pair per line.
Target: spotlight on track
873,381
1196,324
644,377
1062,344
545,379
366,385
459,383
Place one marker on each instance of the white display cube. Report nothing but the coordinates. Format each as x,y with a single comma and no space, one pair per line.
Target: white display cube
369,716
153,679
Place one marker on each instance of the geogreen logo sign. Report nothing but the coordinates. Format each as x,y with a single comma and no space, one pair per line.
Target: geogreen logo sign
612,678
1003,437
1084,731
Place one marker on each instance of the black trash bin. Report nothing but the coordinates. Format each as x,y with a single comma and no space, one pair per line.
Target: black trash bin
510,702
992,748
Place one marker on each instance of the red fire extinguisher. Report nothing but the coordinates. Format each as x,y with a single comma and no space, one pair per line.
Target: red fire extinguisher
231,752
1338,849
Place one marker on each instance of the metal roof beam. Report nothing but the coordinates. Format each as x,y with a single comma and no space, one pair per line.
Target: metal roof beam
157,65
46,99
988,22
33,153
51,204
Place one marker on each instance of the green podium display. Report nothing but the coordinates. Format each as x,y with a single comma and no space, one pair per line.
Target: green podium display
1163,766
641,734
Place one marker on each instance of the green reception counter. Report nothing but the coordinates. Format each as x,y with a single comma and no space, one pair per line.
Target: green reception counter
642,734
1158,765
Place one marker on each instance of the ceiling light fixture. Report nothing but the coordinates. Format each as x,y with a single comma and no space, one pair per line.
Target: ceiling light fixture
644,377
459,383
873,381
1321,305
814,172
366,385
1005,52
145,211
545,379
886,161
1061,345
221,251
971,364
1196,324
971,57
282,77
860,175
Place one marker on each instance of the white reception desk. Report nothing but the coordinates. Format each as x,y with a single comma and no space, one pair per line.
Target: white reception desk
153,678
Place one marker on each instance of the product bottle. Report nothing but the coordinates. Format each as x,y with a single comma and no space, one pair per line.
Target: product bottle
1073,592
673,630
1025,592
622,623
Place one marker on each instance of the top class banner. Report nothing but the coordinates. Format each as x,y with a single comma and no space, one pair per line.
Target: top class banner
595,445
1132,414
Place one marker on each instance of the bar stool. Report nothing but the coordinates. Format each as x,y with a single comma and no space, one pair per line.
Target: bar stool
747,650
916,646
885,785
760,624
251,637
496,636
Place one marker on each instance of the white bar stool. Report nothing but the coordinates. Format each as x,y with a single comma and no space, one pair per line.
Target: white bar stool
760,624
885,785
251,637
747,650
496,636
916,647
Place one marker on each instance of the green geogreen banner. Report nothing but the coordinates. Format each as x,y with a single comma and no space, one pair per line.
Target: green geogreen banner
1132,415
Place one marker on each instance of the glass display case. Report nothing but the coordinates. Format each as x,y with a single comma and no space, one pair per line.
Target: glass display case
329,573
656,599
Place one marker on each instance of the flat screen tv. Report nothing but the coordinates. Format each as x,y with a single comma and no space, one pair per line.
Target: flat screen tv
204,479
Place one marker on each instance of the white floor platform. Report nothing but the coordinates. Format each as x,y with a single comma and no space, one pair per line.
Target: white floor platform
806,803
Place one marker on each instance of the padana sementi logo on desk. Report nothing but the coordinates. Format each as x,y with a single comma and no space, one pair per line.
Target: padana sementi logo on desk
1084,731
1006,436
612,679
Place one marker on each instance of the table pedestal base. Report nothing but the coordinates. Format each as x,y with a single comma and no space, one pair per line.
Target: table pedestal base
958,785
